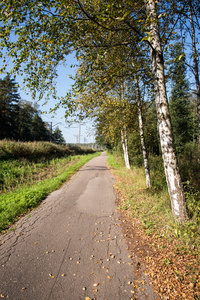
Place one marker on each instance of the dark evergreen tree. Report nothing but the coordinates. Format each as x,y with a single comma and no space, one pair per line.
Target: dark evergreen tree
57,137
20,119
40,131
30,125
24,121
151,130
180,106
9,98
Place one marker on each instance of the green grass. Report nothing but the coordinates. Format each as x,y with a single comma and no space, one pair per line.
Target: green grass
15,203
16,173
152,207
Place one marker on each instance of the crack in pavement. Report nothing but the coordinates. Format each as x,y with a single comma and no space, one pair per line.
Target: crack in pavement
80,219
62,261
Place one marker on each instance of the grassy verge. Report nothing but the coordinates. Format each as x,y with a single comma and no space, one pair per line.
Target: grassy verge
153,211
153,207
17,202
17,173
173,265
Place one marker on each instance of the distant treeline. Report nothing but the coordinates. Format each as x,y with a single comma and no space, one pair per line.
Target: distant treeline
20,120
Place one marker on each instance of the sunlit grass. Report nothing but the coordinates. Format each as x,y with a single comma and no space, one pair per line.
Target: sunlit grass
16,173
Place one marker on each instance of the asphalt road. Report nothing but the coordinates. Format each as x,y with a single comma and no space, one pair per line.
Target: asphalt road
71,246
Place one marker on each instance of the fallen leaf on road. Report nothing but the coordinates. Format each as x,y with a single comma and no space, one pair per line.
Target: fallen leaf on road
87,298
51,276
63,275
95,290
95,284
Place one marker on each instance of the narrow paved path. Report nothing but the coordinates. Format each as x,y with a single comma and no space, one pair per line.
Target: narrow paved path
71,247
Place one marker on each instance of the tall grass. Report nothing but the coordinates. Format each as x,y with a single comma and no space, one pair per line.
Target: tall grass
16,173
36,150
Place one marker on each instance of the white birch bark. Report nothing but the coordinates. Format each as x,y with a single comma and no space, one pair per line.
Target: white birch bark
125,148
173,178
145,156
123,133
196,67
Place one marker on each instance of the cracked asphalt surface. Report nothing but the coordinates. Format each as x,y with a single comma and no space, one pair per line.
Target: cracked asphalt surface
71,246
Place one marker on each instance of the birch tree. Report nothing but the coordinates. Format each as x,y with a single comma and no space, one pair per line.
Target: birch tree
144,150
47,31
172,173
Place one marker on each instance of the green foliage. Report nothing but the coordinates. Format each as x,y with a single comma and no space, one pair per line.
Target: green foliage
57,137
180,107
193,201
9,99
158,179
39,130
15,203
47,31
20,119
135,149
189,163
150,130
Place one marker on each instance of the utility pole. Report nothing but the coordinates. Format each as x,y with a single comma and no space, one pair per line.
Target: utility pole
76,136
51,129
79,138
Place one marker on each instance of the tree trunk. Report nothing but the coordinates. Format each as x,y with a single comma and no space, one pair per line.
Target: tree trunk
145,156
173,178
125,148
196,69
123,131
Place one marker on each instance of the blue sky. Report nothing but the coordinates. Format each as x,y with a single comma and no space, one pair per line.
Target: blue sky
70,134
